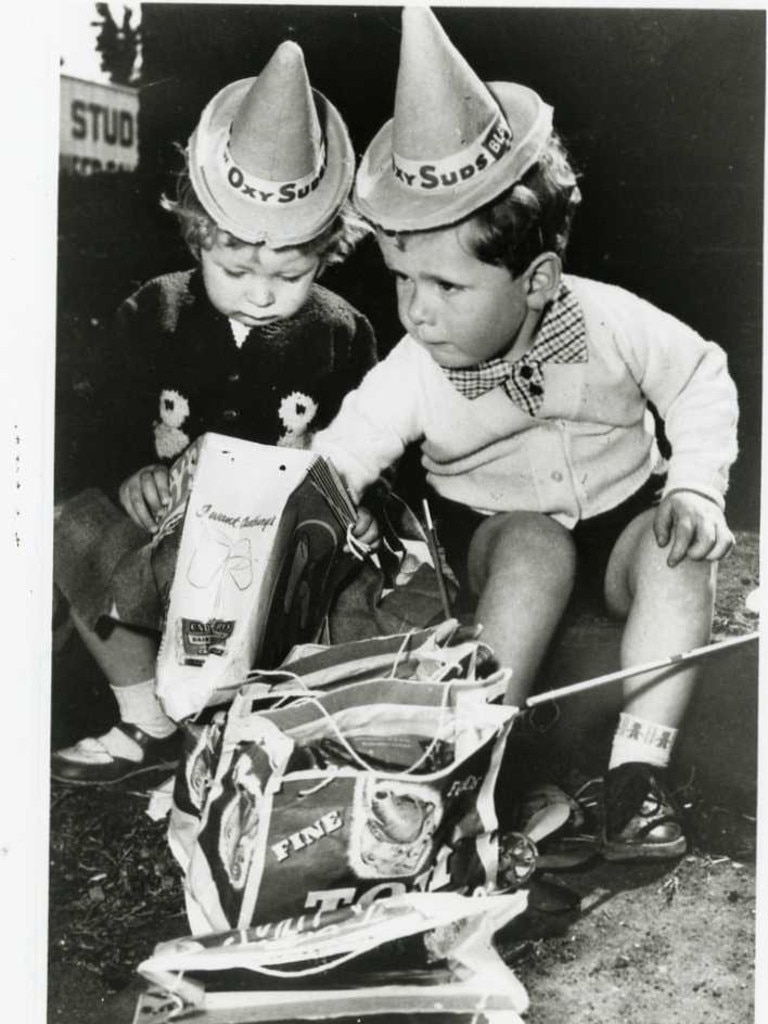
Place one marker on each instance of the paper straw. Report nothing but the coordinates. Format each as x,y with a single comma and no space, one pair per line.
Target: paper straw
433,550
636,670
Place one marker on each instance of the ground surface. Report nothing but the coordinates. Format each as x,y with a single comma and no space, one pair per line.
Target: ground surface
607,944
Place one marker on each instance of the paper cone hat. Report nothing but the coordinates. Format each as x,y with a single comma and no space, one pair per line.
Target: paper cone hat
454,143
270,159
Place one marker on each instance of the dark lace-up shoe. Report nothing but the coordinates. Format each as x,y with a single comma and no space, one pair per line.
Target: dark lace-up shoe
642,821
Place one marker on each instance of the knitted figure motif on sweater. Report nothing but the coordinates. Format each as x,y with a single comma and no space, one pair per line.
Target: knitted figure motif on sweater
185,369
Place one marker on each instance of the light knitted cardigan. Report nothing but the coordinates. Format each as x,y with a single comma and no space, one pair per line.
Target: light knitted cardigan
592,443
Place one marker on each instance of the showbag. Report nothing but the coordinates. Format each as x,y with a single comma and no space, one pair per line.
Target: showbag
374,788
255,534
402,954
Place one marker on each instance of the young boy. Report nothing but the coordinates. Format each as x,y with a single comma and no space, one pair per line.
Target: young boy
529,392
246,344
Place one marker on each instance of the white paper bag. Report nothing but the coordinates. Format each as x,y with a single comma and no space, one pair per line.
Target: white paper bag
262,529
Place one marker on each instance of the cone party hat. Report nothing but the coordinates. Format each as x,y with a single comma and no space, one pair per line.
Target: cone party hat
454,142
270,159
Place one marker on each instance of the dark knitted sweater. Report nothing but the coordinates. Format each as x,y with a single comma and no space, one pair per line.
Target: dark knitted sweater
181,373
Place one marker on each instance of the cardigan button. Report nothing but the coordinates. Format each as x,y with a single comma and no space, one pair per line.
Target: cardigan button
557,476
230,414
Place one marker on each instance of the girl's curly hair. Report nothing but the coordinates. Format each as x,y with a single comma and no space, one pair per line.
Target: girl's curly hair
200,231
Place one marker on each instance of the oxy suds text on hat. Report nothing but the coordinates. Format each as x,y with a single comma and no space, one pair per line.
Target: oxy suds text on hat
288,192
446,173
285,194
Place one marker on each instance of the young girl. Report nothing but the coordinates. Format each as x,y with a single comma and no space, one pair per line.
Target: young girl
529,392
247,344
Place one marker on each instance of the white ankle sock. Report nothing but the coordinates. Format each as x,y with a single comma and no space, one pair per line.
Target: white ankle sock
139,706
637,739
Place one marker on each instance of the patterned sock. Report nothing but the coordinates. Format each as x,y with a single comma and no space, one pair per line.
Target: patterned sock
637,739
139,706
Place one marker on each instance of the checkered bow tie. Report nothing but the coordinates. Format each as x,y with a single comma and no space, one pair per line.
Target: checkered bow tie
562,338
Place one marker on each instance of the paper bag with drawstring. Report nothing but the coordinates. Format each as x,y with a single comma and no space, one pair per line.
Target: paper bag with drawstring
372,788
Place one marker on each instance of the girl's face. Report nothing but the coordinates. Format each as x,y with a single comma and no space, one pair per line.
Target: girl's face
256,285
461,310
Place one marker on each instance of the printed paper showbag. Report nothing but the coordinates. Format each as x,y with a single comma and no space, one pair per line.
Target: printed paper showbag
400,955
259,555
376,788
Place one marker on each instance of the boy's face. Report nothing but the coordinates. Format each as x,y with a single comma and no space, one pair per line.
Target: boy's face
256,285
461,310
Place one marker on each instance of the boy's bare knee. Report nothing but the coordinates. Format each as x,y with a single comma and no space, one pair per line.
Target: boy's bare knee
520,541
639,566
693,580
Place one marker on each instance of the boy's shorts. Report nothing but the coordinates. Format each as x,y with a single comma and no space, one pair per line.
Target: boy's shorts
594,538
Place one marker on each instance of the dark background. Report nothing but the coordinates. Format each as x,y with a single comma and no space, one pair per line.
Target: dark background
663,112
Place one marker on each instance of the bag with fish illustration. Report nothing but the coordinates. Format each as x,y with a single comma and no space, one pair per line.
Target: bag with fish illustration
374,788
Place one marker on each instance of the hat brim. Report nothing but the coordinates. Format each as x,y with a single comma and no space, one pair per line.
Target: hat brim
247,219
387,202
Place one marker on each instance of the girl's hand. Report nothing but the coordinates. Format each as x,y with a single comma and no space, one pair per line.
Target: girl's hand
145,496
693,526
366,529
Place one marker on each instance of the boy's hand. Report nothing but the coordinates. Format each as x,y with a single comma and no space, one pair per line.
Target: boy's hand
366,529
693,526
145,496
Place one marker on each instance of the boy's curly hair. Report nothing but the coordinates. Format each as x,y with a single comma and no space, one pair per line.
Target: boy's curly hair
200,231
532,217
